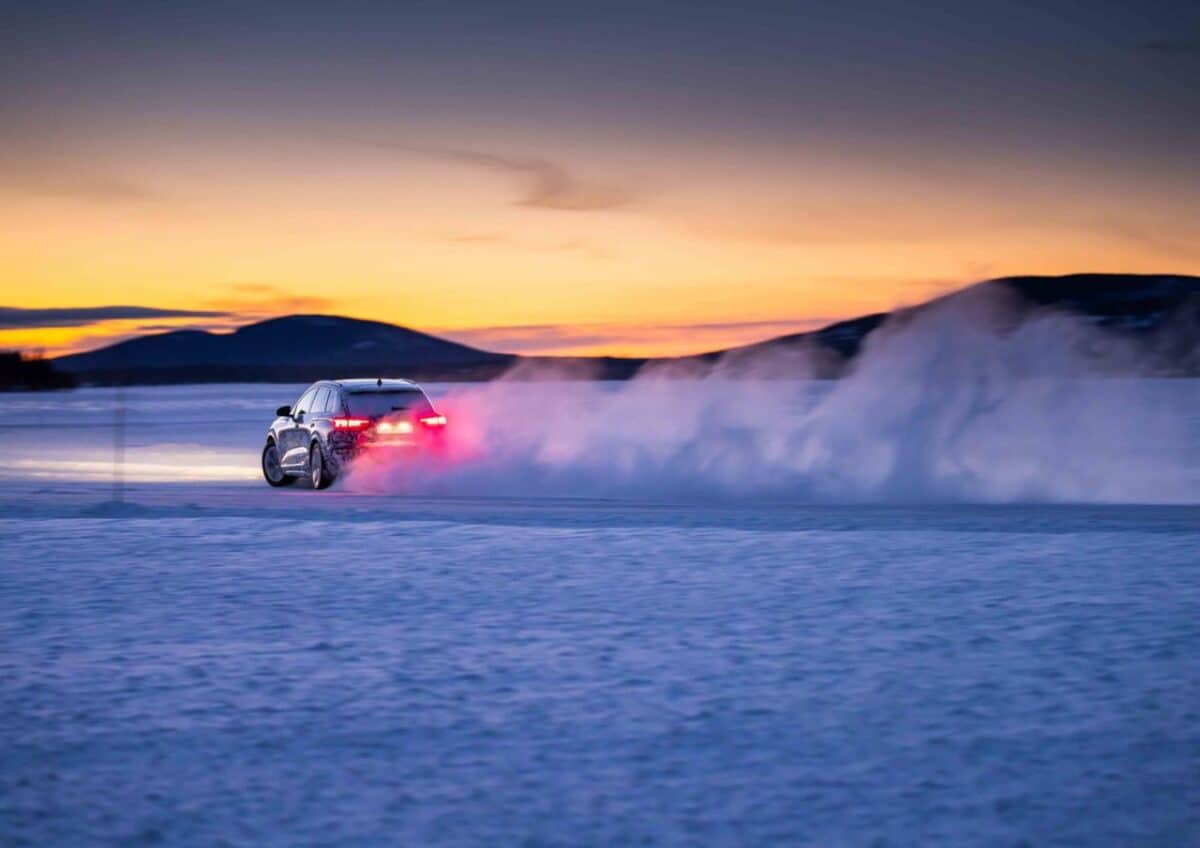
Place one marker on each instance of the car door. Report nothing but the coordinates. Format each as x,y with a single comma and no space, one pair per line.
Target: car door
318,421
293,438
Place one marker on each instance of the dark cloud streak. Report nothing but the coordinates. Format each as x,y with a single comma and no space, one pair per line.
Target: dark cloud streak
16,318
1181,45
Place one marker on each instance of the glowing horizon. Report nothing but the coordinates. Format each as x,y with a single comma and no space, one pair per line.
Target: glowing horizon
536,340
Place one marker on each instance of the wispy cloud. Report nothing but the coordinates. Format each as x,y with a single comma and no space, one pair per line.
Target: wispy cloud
545,184
54,177
95,336
1167,245
481,238
65,330
17,318
204,326
634,339
578,246
1173,45
259,300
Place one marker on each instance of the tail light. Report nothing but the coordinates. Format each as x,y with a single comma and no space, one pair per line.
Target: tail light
434,420
351,423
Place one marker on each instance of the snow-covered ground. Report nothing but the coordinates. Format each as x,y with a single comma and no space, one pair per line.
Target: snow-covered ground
723,614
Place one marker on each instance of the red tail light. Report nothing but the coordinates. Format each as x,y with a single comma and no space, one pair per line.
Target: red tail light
434,420
351,423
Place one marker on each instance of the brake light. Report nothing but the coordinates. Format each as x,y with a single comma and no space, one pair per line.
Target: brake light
351,423
434,421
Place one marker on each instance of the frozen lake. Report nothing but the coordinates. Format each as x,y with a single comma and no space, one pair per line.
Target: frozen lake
987,439
649,616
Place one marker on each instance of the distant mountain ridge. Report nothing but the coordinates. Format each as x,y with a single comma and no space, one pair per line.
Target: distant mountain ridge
300,348
1137,306
287,348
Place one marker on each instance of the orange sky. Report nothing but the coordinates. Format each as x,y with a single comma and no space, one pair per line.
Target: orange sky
688,207
742,251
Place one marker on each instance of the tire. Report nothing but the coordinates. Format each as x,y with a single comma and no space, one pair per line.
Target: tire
272,472
319,473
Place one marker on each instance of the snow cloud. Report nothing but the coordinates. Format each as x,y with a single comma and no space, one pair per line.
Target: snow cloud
972,399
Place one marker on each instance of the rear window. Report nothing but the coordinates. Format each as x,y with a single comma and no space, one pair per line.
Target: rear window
375,403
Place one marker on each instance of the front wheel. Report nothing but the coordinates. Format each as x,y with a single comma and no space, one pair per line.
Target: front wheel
272,470
319,473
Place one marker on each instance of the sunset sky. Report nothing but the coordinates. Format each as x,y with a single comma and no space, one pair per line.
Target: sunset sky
562,178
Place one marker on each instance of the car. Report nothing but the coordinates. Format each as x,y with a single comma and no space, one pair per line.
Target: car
336,421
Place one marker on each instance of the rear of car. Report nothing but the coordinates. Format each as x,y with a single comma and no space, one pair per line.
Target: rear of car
336,421
384,418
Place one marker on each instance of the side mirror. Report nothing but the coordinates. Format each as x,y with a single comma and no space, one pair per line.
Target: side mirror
284,412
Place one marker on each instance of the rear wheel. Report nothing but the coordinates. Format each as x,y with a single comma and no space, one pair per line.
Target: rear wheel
319,472
272,470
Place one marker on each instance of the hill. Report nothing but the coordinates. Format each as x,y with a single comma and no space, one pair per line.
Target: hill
1162,310
295,348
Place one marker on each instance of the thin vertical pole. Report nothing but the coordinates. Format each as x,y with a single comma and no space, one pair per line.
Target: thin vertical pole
118,494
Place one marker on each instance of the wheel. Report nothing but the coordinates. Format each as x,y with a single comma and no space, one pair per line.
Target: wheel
319,473
271,468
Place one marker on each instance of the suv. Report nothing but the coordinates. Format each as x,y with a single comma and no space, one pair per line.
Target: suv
336,420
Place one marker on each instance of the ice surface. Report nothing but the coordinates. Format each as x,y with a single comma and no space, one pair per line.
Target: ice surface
873,440
600,675
503,659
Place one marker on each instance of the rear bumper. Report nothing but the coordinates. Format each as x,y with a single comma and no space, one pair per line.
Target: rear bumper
349,453
419,443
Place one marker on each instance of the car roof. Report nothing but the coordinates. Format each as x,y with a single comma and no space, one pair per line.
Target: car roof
359,384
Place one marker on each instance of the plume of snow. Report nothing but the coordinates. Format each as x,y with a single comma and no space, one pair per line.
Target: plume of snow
971,398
